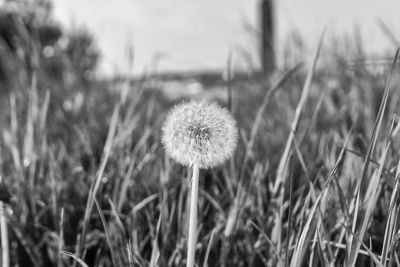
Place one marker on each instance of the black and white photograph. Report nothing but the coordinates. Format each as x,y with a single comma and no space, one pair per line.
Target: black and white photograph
188,133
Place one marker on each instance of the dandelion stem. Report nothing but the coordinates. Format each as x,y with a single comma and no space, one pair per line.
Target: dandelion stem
5,259
193,217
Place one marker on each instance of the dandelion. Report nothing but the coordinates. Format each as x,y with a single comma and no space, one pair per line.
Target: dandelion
200,135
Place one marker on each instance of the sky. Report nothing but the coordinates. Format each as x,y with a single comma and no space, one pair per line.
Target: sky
187,35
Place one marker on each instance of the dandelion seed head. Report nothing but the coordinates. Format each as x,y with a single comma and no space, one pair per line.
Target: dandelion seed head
199,133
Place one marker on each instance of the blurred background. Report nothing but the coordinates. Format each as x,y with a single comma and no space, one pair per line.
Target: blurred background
135,37
196,35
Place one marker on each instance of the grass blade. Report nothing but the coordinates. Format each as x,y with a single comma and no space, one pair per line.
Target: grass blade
96,185
281,171
372,189
103,221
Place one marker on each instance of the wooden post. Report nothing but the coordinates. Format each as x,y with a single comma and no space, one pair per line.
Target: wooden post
267,36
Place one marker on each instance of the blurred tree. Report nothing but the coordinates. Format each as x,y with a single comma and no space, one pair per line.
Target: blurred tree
82,54
31,40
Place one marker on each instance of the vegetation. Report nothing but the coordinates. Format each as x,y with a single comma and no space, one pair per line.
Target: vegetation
314,180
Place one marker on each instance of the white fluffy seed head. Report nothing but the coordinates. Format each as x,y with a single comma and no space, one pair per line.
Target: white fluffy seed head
199,133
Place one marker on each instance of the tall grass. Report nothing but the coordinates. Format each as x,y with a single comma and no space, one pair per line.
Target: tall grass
314,181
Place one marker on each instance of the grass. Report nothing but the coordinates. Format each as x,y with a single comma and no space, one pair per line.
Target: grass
314,180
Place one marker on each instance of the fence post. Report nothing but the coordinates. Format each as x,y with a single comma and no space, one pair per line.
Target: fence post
267,36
